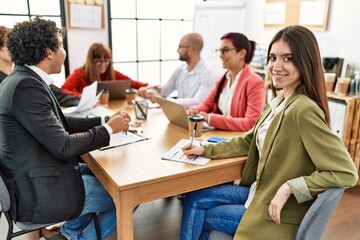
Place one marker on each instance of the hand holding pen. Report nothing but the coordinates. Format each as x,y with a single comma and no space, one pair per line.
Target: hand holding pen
123,114
119,121
188,150
193,151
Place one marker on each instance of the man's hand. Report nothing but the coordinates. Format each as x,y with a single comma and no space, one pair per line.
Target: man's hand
142,91
149,92
119,121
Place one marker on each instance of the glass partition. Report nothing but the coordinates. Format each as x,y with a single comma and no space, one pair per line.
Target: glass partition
147,34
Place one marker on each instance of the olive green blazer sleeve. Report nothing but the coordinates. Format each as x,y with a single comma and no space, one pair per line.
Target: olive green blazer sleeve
334,166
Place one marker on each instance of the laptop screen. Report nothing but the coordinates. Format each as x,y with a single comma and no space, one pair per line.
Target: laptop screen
116,88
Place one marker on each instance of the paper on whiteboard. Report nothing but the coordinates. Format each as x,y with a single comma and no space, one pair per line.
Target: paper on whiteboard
85,16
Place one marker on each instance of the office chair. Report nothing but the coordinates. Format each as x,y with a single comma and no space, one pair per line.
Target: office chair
216,235
317,217
315,220
27,227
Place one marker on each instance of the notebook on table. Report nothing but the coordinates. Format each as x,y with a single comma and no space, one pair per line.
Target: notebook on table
177,155
176,113
116,88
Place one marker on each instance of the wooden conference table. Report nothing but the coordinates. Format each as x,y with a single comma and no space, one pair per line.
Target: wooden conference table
135,174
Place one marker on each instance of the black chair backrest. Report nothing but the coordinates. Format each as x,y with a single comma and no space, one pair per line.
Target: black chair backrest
27,227
4,197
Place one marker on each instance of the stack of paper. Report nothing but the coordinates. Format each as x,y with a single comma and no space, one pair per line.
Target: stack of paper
98,111
88,100
123,138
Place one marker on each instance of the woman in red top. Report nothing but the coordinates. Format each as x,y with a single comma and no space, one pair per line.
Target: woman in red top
98,67
237,100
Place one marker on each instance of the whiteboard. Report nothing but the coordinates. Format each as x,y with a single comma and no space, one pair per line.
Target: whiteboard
214,19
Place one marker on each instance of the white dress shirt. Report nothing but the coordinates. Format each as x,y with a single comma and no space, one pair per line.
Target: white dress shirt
277,104
193,86
227,93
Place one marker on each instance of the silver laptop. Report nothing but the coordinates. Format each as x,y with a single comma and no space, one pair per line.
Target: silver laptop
116,88
176,113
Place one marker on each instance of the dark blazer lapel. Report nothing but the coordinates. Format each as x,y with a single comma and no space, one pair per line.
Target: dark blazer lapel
55,103
57,109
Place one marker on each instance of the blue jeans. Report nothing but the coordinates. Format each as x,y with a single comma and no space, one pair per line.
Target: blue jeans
215,208
97,200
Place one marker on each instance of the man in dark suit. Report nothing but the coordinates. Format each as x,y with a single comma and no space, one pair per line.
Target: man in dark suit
40,148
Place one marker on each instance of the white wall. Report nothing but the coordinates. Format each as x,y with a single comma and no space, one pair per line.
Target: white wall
206,16
79,41
341,39
343,34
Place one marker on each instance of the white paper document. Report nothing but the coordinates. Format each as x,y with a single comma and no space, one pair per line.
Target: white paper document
123,138
176,154
98,111
88,100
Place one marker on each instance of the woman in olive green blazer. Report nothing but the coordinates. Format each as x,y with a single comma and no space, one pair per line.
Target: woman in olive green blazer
292,154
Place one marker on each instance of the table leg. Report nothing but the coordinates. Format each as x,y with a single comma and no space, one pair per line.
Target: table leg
125,203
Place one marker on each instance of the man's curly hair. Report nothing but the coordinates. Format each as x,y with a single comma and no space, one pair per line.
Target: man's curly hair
29,41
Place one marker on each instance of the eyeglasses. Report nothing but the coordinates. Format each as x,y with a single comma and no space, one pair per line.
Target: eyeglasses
225,50
99,61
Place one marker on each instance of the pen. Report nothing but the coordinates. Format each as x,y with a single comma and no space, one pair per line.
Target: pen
174,154
192,135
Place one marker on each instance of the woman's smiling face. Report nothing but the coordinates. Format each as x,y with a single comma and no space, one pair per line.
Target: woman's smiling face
229,55
283,72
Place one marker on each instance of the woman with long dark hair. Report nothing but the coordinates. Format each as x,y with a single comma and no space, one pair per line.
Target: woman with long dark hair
237,99
292,155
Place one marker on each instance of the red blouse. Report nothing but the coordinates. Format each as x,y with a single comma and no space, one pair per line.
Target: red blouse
75,82
246,106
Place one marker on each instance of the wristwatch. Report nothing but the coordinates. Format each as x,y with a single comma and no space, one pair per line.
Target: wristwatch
107,118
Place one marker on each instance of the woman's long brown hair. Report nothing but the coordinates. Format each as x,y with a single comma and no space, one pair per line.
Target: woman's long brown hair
306,57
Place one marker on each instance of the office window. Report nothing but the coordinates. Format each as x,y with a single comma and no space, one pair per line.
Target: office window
20,10
144,36
16,7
